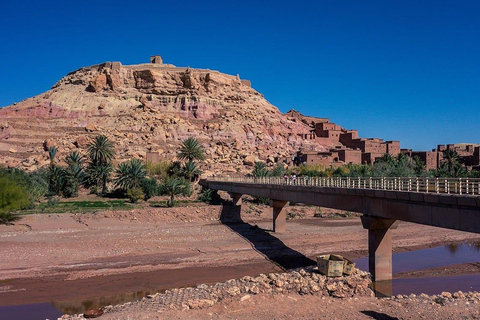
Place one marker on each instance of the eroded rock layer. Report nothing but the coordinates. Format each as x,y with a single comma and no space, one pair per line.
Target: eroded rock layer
151,108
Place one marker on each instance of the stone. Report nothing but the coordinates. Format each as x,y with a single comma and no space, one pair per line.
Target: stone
249,161
81,142
91,127
93,313
245,297
446,295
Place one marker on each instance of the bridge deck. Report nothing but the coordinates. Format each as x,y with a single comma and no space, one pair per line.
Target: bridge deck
457,211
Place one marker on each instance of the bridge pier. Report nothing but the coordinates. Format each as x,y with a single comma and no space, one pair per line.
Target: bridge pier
379,246
279,216
236,198
236,209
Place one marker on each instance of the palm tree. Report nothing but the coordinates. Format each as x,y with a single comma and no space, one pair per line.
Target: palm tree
74,159
100,153
52,152
130,174
98,176
450,161
173,187
101,150
190,170
56,179
260,170
191,149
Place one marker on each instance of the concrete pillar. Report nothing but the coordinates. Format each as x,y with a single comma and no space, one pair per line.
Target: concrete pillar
236,198
234,212
279,216
379,246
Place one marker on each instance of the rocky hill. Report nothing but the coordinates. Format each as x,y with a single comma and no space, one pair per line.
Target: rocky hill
151,107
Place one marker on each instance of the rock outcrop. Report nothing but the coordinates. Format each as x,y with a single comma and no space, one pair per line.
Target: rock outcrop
149,108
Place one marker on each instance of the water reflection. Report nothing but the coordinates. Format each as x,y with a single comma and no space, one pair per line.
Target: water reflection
451,254
430,258
80,306
453,248
383,288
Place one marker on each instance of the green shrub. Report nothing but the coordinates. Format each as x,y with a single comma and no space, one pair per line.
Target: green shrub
159,170
13,197
175,186
135,194
208,195
150,188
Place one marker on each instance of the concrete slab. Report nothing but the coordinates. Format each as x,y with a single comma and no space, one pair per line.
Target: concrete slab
379,193
467,201
470,220
369,193
402,195
418,213
391,194
431,198
416,196
446,217
448,199
352,192
360,192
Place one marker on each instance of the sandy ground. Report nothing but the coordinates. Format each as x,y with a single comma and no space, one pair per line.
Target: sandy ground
68,258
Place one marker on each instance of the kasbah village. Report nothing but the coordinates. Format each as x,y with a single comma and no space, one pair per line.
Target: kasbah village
151,191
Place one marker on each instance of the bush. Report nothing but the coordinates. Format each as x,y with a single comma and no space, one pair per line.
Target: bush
159,170
208,195
135,194
150,188
13,197
35,183
175,186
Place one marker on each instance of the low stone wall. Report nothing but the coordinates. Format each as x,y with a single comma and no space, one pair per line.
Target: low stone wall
302,281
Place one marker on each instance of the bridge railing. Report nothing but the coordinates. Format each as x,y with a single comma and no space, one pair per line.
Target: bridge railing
468,186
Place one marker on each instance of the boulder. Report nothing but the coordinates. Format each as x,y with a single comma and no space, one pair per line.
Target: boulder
249,161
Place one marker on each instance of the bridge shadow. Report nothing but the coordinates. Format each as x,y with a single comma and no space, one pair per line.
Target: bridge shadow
272,248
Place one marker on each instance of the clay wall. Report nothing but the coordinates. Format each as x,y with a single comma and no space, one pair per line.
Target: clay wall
474,158
374,146
392,147
320,158
370,157
156,59
350,156
347,137
428,157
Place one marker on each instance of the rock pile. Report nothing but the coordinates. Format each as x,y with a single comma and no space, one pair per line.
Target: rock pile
303,282
442,299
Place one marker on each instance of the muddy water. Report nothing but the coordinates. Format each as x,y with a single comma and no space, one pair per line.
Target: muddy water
50,298
432,258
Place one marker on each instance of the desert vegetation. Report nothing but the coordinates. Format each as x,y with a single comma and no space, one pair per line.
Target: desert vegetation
134,180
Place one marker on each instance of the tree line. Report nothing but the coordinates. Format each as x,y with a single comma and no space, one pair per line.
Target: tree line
385,166
95,171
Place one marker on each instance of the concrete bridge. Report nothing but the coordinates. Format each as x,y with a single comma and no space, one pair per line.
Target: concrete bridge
445,203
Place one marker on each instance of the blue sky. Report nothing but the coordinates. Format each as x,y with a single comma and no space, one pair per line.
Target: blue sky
399,70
